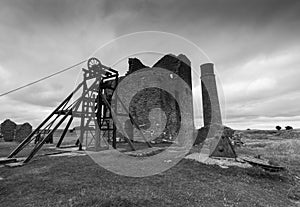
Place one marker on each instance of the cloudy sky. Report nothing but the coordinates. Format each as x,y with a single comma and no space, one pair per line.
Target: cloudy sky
254,45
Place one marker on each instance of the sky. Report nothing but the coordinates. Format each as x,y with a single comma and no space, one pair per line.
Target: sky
254,45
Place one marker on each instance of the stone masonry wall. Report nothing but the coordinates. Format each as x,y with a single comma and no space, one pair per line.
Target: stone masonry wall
22,132
148,99
8,128
210,100
13,132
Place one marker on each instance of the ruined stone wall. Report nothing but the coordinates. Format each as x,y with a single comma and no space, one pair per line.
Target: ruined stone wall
8,128
13,132
148,99
22,132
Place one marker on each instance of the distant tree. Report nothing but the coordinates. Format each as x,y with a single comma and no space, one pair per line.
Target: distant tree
288,128
278,128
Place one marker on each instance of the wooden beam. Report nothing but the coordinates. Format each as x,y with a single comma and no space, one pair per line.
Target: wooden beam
40,144
116,121
27,140
64,132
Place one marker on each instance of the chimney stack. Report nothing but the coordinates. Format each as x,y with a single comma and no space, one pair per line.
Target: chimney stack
210,100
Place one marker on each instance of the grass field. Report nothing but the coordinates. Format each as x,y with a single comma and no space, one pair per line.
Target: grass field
78,181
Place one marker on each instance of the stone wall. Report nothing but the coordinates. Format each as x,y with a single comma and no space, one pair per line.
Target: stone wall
134,64
8,128
150,98
13,132
179,65
22,131
147,100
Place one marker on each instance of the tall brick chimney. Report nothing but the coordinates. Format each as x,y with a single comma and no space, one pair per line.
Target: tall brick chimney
210,100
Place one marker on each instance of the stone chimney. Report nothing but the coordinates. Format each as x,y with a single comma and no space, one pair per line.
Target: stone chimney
210,100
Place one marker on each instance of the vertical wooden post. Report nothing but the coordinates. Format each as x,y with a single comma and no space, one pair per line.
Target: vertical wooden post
83,107
114,143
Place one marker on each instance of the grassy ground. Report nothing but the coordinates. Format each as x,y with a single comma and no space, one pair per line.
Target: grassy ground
280,147
78,181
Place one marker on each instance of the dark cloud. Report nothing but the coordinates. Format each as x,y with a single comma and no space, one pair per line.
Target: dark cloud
243,28
218,14
257,12
54,13
226,30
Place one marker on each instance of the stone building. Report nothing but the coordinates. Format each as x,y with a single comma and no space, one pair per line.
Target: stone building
8,128
13,132
150,98
22,131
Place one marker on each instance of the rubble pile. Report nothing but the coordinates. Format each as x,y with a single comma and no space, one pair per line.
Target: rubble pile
237,139
212,130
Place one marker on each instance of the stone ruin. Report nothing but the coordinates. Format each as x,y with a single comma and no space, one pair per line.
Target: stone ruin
213,136
212,117
13,132
8,129
22,131
150,98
